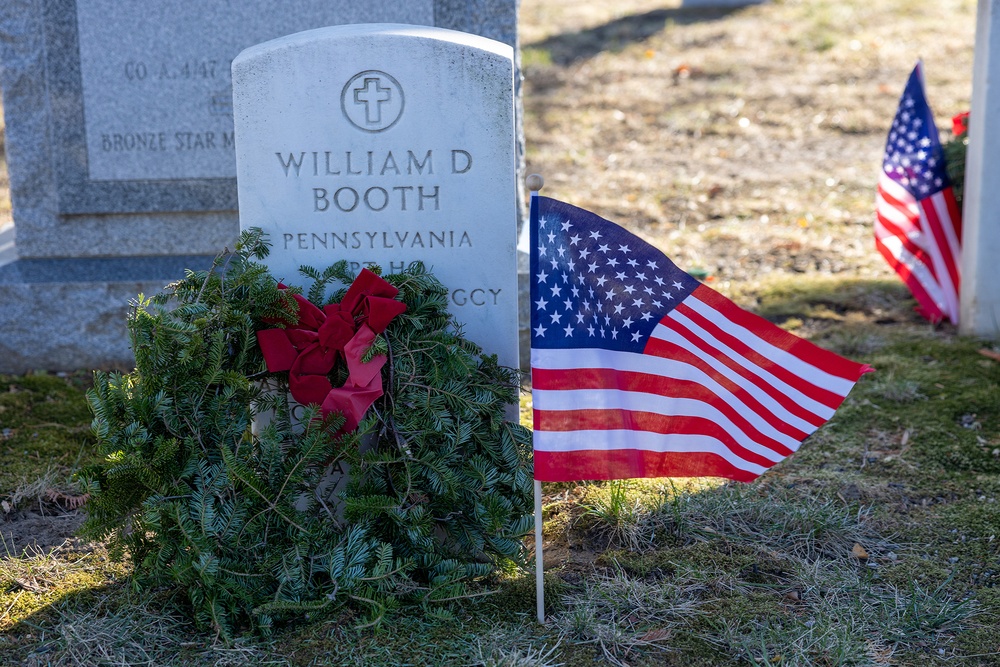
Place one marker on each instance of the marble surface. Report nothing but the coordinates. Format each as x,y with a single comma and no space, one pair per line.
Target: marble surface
386,144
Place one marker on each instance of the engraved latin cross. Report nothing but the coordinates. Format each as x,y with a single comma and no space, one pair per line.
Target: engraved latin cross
372,95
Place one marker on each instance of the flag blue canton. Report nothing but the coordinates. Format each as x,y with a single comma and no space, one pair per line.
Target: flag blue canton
595,285
914,157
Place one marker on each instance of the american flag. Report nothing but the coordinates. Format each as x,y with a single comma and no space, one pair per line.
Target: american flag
918,226
639,370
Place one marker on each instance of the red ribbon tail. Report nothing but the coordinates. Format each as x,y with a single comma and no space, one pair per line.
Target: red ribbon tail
360,373
352,402
279,353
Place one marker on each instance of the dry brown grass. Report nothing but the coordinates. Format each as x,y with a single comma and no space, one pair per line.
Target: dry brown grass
742,142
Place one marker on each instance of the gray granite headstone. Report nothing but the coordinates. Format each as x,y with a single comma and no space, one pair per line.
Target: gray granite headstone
119,141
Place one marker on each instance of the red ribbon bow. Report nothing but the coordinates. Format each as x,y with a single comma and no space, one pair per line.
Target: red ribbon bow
309,348
960,123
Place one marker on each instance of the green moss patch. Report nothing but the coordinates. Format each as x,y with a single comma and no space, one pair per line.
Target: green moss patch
44,424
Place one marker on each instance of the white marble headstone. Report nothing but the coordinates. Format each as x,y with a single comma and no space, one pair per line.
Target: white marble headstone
384,144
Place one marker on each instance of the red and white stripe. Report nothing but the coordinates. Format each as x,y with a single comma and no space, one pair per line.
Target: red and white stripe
717,392
921,241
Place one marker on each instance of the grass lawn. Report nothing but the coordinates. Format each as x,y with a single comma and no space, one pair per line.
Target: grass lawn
875,544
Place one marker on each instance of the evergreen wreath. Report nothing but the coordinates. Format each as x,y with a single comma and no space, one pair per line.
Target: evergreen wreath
439,488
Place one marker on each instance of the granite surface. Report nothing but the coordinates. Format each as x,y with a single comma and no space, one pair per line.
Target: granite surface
161,269
159,105
495,19
56,124
62,315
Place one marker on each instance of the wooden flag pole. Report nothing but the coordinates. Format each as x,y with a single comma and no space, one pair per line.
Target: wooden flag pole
535,183
539,562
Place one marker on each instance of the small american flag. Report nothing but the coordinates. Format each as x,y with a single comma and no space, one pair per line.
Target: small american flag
639,370
918,226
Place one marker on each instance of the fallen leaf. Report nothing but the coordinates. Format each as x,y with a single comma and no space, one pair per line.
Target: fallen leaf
849,493
29,586
419,498
995,356
6,506
655,635
70,502
859,552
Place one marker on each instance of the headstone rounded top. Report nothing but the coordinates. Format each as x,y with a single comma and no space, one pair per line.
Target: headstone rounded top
368,30
535,182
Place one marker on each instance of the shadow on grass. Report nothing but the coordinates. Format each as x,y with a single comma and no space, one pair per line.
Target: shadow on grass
848,315
111,624
567,48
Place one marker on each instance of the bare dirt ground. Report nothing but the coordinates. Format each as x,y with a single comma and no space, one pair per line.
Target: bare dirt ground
39,526
33,531
743,142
